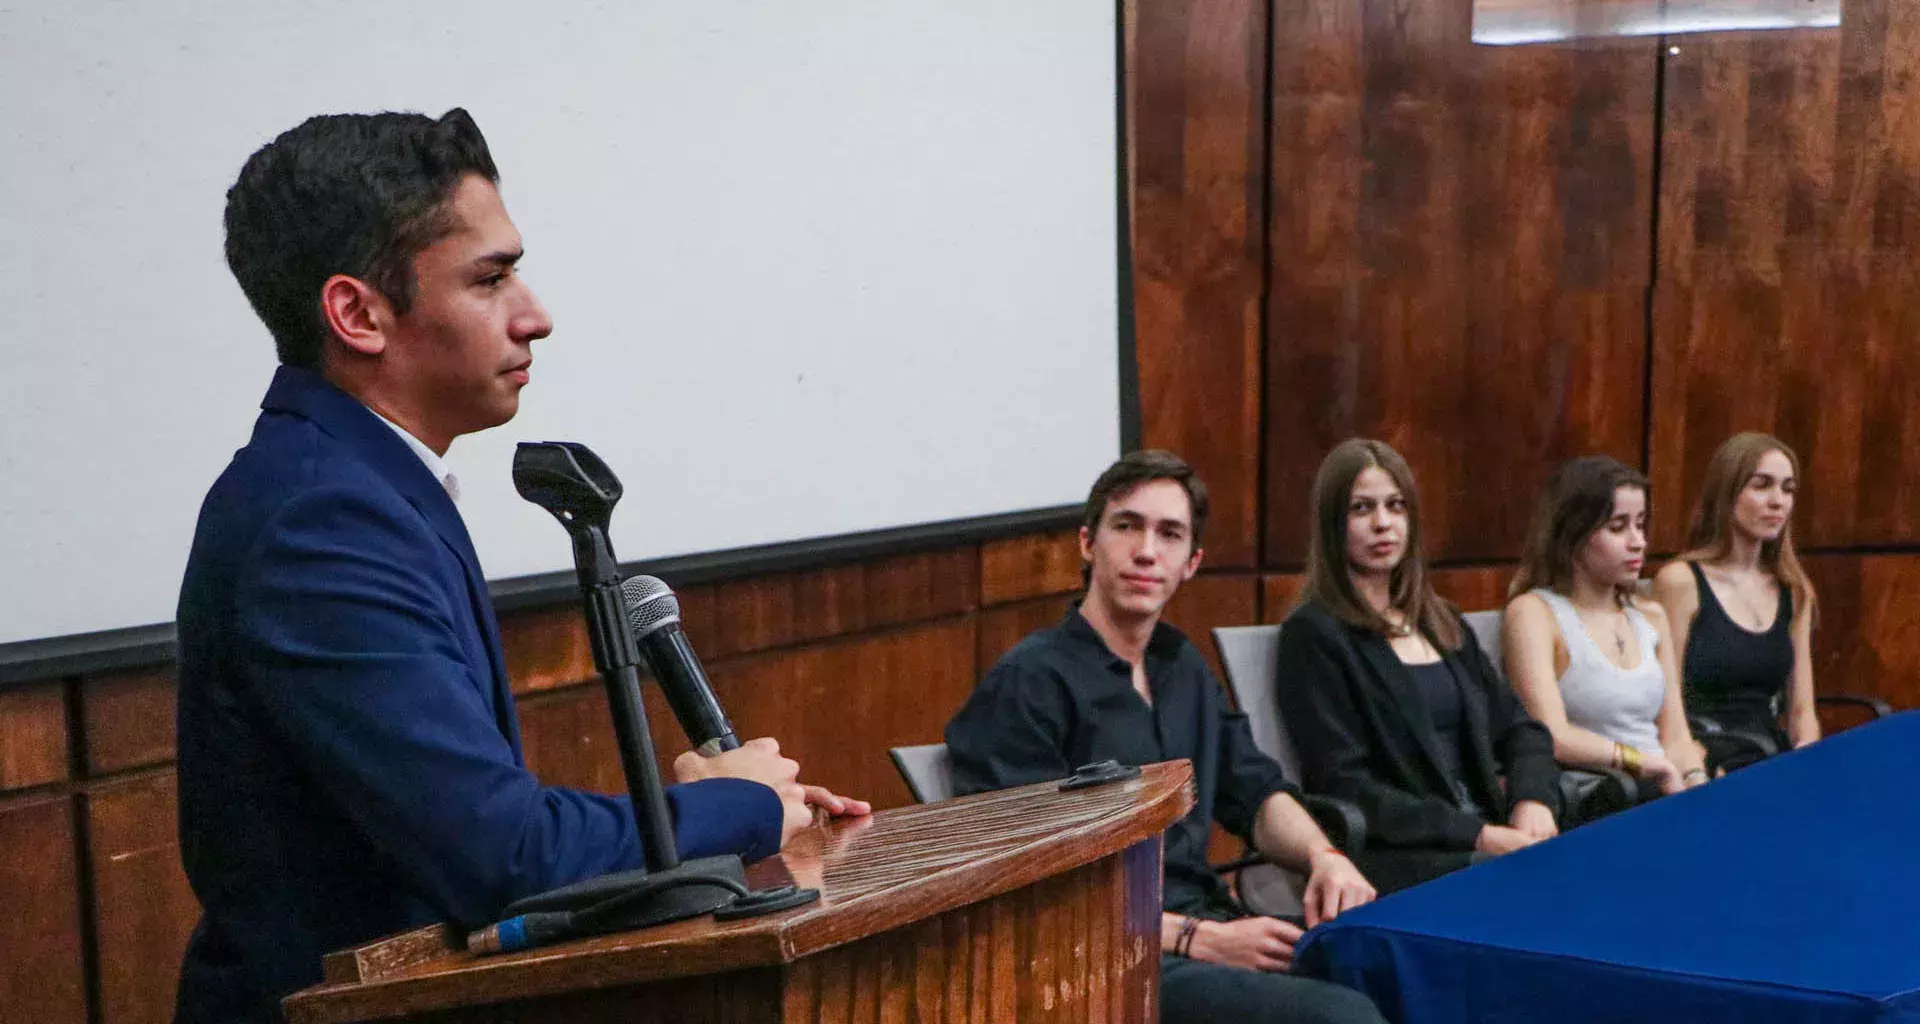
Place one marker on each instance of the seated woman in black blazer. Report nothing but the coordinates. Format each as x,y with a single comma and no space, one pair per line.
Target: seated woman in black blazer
1389,699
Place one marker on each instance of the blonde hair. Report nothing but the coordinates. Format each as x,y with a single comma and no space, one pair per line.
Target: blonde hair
1329,575
1710,531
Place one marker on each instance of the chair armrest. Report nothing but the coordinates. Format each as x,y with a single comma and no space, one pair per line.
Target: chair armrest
1872,705
1728,749
1344,824
1589,794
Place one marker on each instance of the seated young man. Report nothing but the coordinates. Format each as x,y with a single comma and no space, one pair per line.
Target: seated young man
1113,681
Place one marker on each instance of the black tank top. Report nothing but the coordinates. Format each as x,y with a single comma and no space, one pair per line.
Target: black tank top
1734,675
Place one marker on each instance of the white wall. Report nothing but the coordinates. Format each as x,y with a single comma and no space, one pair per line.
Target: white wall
775,236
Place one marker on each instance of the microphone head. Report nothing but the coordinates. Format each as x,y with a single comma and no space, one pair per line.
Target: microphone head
650,604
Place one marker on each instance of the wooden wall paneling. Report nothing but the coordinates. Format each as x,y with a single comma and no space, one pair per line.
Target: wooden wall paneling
567,739
1867,636
1035,565
143,908
547,648
41,947
128,720
33,736
1790,215
774,611
1459,240
1743,292
836,707
1279,593
1474,589
1198,142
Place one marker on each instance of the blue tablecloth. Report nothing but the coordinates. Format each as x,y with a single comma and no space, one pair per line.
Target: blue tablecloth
1789,891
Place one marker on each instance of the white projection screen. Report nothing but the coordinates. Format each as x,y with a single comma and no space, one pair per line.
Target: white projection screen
817,268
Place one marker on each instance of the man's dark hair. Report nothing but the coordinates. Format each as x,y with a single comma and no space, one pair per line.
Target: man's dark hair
1141,467
354,194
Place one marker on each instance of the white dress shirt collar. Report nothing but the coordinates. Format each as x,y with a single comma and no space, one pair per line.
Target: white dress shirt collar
435,464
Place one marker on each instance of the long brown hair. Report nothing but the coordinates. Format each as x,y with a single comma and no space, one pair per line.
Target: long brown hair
1710,531
1329,573
1577,500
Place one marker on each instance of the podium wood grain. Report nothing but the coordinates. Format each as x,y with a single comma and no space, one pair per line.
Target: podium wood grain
1028,904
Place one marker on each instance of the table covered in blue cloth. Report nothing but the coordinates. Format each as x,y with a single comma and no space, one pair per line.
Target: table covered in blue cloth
1788,891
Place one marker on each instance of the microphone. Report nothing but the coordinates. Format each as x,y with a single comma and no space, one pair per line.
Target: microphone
654,615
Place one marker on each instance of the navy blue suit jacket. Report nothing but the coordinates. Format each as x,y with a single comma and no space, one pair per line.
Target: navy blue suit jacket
349,758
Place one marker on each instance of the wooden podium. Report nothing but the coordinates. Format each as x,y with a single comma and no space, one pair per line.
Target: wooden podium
1023,905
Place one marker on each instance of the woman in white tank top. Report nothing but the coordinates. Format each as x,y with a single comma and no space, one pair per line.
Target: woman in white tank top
1590,658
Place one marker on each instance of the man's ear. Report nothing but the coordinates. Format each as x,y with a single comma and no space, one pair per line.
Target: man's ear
1193,564
357,314
1086,545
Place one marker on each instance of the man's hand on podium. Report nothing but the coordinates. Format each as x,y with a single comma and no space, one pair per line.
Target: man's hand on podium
760,761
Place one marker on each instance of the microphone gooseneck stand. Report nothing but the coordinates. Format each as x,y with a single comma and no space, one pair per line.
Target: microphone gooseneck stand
571,482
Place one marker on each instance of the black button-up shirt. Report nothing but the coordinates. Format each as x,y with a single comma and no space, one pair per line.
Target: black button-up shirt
1061,699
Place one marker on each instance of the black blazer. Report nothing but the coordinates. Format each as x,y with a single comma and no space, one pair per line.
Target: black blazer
1363,735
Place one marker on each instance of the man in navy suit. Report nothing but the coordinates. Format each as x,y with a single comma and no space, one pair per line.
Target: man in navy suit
349,757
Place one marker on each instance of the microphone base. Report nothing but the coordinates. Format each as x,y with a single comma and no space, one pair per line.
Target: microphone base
627,900
632,900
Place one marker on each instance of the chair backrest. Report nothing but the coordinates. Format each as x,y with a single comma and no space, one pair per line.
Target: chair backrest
1251,655
927,771
1486,629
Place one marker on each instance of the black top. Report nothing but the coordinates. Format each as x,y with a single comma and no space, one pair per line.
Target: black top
1365,735
1440,692
1732,674
1061,699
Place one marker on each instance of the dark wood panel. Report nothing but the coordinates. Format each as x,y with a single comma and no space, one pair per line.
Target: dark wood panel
1867,636
546,648
567,738
1460,242
129,720
39,883
1746,307
1197,133
1279,594
1790,214
837,707
788,608
1036,565
33,736
143,908
1475,589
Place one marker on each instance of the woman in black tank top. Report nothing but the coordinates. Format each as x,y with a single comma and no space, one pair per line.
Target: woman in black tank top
1732,674
1741,606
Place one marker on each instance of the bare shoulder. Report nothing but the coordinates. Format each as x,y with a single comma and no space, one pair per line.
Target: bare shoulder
1674,574
1528,613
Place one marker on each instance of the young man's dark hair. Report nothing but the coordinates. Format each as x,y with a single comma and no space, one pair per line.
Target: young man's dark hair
1134,469
353,194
